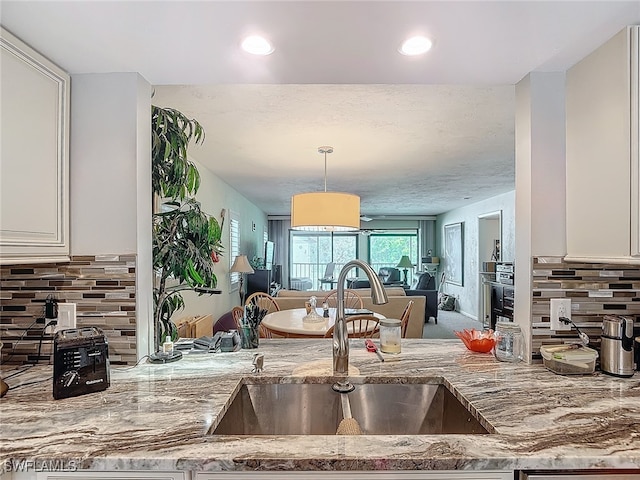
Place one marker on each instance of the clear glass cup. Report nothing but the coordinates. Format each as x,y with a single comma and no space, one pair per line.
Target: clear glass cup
509,342
390,336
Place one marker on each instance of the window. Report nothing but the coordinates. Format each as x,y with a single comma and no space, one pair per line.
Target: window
234,247
310,252
386,249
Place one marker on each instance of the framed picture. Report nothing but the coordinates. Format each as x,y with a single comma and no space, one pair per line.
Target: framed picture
453,253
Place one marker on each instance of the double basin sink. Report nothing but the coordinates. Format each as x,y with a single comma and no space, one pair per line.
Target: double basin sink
271,406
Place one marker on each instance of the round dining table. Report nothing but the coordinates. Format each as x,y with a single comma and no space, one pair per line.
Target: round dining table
294,323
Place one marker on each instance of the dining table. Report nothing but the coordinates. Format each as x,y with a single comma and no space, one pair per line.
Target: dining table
295,322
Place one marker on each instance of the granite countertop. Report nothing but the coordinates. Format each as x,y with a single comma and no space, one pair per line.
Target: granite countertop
157,416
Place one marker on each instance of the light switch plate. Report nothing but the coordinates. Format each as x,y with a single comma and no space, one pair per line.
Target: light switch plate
560,307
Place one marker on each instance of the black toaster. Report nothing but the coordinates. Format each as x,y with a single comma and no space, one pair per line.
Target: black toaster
80,362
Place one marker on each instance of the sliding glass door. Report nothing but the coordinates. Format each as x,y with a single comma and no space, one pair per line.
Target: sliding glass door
310,252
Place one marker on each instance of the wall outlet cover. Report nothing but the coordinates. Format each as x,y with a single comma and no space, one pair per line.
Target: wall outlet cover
66,316
560,307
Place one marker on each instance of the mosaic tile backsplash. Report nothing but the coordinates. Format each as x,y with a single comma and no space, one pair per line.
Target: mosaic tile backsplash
595,290
103,288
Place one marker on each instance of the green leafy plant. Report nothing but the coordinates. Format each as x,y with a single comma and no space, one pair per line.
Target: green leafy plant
186,241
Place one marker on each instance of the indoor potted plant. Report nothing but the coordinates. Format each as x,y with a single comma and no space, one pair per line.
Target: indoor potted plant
186,241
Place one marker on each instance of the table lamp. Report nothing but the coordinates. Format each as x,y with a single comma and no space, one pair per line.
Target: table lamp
241,265
405,264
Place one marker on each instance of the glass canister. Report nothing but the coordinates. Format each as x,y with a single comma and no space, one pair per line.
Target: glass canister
390,335
509,342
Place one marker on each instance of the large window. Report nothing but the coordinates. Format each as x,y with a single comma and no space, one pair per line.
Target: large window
386,249
310,252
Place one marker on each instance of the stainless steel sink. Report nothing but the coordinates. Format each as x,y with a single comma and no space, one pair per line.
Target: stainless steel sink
275,408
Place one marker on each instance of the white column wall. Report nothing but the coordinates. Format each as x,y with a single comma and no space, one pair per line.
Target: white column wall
110,170
540,182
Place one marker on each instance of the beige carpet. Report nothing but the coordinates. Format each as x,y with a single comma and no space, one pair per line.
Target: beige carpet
447,323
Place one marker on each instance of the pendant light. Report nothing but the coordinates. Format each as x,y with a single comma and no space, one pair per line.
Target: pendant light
325,211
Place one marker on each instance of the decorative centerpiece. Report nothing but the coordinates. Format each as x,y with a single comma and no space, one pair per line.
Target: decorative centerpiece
312,319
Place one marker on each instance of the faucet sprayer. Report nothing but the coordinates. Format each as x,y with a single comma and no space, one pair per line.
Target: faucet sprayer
340,334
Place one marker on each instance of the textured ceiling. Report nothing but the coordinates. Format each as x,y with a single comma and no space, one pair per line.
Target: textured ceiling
413,136
405,149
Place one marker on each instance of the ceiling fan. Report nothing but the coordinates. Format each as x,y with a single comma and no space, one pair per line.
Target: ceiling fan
368,218
369,231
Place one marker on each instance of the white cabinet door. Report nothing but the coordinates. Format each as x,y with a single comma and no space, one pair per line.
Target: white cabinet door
369,475
602,153
34,156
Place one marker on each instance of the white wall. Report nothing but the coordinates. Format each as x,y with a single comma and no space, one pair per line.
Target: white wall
103,163
468,293
540,182
214,195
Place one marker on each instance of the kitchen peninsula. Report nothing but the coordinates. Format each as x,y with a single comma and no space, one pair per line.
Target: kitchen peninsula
156,417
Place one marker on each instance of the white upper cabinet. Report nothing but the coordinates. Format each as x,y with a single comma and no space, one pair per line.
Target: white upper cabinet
603,165
34,156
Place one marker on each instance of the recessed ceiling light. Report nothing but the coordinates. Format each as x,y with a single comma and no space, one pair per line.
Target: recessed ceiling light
257,45
416,46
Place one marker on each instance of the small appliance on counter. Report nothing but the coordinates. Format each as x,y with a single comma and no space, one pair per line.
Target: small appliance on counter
505,273
80,362
616,347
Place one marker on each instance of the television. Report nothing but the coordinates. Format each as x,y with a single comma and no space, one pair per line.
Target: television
259,281
269,247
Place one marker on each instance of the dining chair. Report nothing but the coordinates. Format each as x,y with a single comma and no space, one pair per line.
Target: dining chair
358,326
404,319
351,299
264,301
237,313
264,332
328,275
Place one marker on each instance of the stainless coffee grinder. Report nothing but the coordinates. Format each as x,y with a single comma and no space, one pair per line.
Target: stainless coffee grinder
616,347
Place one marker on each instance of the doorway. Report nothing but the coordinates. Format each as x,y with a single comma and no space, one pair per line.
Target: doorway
489,251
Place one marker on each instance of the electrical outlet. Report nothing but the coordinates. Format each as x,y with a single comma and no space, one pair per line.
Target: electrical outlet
560,307
66,316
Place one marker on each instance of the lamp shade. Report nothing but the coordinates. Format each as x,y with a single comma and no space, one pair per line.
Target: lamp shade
329,211
241,265
405,262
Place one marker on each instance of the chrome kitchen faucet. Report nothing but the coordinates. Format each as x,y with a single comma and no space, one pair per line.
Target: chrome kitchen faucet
340,334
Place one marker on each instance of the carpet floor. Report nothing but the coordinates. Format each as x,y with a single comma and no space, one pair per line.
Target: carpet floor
447,323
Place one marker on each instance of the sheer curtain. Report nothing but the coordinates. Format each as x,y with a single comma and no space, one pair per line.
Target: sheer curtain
279,234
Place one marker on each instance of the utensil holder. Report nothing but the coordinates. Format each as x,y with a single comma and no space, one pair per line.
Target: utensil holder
249,337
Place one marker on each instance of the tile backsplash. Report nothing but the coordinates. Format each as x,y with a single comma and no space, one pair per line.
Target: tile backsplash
595,290
103,287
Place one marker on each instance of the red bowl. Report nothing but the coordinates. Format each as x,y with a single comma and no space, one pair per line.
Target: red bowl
476,340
